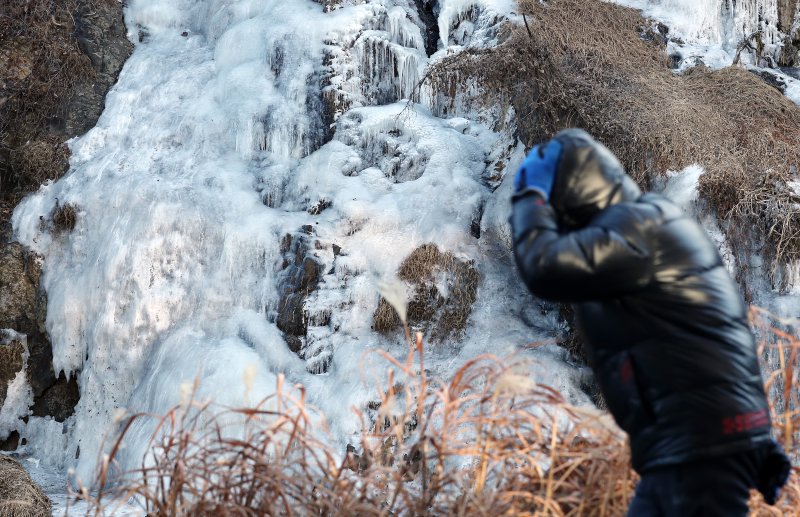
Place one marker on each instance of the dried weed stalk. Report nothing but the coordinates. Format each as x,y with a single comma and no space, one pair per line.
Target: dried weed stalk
487,442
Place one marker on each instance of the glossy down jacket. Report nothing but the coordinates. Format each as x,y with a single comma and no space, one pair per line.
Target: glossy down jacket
665,325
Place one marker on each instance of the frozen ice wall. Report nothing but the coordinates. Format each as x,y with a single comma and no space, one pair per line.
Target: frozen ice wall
233,124
713,29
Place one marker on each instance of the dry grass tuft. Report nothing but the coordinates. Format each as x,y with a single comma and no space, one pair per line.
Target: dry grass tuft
64,218
19,496
39,161
444,290
589,64
487,442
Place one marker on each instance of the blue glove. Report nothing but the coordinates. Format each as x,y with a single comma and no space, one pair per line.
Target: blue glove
538,171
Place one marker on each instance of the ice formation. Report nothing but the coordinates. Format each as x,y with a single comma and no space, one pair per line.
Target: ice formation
237,122
713,30
217,142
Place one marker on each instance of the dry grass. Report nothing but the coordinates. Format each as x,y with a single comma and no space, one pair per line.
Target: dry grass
428,270
64,218
487,442
35,83
37,161
19,496
590,64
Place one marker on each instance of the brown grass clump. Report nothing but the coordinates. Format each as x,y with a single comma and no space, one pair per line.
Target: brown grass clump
489,441
39,161
19,495
428,270
64,218
590,64
36,80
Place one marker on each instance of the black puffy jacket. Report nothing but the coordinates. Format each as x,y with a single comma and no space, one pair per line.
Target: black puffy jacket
665,325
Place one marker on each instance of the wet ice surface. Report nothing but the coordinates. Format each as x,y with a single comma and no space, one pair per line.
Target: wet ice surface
210,150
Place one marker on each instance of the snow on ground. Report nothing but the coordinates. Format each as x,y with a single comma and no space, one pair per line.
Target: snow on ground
208,152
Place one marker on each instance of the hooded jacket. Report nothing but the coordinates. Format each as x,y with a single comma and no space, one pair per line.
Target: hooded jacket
664,324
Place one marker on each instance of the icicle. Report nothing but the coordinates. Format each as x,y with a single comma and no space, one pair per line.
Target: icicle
403,31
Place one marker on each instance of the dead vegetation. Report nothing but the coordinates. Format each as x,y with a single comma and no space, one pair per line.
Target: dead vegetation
19,495
591,64
64,218
488,441
36,81
444,289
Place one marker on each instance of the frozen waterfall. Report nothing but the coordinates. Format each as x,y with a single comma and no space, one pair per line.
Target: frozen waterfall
216,143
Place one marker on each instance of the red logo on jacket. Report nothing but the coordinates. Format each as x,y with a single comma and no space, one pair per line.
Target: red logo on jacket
745,422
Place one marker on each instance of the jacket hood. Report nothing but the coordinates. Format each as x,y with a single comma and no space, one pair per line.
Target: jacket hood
589,179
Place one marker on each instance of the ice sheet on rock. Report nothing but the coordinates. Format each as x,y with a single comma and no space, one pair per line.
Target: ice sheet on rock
19,396
713,22
711,31
469,21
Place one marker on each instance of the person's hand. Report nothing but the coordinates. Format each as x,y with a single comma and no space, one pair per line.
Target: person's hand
538,171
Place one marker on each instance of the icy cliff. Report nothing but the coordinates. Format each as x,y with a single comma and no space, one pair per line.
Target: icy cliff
237,130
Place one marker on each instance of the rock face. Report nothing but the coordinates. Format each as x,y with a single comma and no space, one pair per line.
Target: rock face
49,93
22,308
299,277
19,495
786,13
425,9
101,35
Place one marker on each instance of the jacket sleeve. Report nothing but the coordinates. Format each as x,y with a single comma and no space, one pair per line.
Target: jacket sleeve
608,258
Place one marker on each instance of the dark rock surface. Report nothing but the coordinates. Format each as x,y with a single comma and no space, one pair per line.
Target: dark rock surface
22,308
772,79
425,10
299,277
101,35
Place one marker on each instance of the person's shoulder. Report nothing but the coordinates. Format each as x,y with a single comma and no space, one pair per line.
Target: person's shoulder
645,211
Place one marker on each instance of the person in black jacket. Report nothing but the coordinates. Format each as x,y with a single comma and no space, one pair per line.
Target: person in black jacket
665,327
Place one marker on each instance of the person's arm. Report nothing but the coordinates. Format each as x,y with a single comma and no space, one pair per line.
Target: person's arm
608,258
